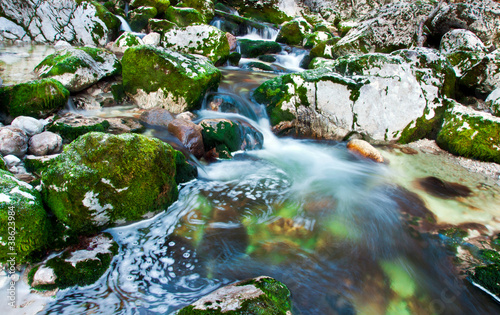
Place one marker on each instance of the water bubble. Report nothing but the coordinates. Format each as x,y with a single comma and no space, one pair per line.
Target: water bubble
171,243
186,255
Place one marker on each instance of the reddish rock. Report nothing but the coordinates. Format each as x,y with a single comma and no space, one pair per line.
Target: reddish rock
157,117
189,134
233,42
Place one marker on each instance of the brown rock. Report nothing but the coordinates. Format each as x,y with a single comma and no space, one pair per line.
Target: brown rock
365,149
157,117
189,134
233,42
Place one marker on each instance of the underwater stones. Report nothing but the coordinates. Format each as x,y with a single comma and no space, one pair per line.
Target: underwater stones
470,133
189,134
21,203
45,143
294,32
125,41
148,74
82,265
34,98
365,149
184,16
254,48
101,180
138,18
493,102
261,295
79,67
205,40
13,141
29,125
443,189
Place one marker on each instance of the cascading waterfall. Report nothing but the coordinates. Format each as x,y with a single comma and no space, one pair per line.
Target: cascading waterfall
124,26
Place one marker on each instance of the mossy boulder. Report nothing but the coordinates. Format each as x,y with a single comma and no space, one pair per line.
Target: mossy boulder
223,135
205,7
235,24
484,76
126,40
254,48
184,16
324,49
264,10
70,132
261,295
160,5
3,165
82,265
318,37
138,18
24,225
35,98
100,180
493,102
156,77
161,26
471,134
205,40
79,67
294,32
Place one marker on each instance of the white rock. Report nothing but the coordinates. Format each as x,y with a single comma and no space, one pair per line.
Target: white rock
10,30
152,39
126,40
61,44
44,275
13,141
493,101
461,40
31,126
45,143
12,160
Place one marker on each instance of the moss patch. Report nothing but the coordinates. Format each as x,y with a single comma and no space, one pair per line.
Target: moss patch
70,133
184,16
254,48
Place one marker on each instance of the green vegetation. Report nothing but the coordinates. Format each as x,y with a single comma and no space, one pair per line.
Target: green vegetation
70,133
254,48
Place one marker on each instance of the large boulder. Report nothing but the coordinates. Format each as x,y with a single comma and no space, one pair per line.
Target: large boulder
138,18
261,295
101,180
45,143
254,48
484,76
126,40
13,141
294,32
205,7
189,134
184,16
378,95
470,133
78,22
24,226
160,5
80,67
344,9
205,40
156,77
34,98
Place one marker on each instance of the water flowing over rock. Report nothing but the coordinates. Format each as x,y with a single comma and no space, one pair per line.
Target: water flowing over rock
101,180
163,78
205,40
13,141
29,125
45,143
47,21
79,68
23,202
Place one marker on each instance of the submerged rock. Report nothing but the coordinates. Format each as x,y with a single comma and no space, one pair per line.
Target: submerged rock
149,73
34,98
80,67
365,149
81,266
13,141
101,180
21,210
261,295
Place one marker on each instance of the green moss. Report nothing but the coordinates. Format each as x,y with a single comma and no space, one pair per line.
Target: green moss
3,166
101,178
161,26
205,7
254,48
127,40
293,32
160,5
34,98
320,50
234,58
184,16
138,18
70,133
222,135
24,225
488,277
424,128
259,65
267,58
185,171
268,12
118,92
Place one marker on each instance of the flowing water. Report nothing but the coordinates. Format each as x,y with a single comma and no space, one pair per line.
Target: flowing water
308,213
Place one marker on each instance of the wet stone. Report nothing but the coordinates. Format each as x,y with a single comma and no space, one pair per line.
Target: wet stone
443,189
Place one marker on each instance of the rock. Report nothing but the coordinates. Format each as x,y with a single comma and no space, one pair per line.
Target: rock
205,40
77,22
261,295
152,39
264,10
483,76
61,44
480,17
80,67
36,164
34,98
101,180
3,164
294,32
14,164
254,48
223,135
189,134
232,41
75,266
317,38
342,9
160,5
237,25
71,126
157,117
21,203
125,41
493,102
45,143
205,7
184,16
384,97
148,74
161,26
471,134
365,149
382,30
105,93
13,141
186,116
29,125
138,18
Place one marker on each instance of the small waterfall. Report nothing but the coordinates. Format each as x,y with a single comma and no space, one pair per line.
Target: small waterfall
124,26
217,23
291,60
266,33
126,9
70,106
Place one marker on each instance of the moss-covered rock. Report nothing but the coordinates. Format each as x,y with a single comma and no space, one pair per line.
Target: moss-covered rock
254,65
161,26
254,48
160,5
149,74
79,67
262,295
81,266
34,98
318,37
24,226
126,40
3,165
294,32
71,132
223,135
493,102
471,134
205,7
484,76
184,16
205,40
138,18
264,10
100,180
324,49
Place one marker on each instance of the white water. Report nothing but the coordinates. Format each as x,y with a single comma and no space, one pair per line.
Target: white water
268,33
124,26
